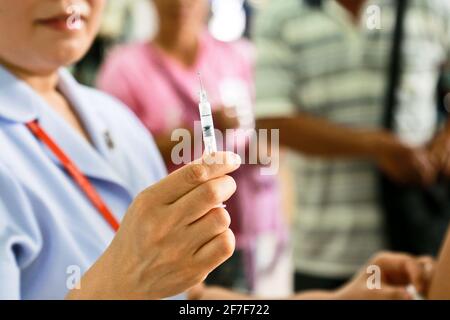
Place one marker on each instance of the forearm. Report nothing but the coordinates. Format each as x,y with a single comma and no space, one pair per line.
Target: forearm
440,285
318,137
95,284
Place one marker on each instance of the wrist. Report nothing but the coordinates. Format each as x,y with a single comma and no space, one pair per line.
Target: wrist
105,281
377,144
97,283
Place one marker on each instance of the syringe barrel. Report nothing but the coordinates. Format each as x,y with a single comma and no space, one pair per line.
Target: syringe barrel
209,136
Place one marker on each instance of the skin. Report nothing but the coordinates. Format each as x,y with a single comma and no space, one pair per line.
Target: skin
397,272
172,235
440,286
169,240
181,22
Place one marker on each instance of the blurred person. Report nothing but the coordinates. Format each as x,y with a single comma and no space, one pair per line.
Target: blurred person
320,78
122,21
158,80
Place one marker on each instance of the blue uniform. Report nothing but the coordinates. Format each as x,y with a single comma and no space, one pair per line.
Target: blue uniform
48,228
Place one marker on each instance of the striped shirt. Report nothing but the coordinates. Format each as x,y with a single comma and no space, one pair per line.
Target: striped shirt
318,61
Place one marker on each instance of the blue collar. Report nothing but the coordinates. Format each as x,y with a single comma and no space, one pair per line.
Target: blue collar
19,103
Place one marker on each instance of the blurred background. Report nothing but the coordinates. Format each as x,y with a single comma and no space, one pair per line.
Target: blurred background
337,72
135,20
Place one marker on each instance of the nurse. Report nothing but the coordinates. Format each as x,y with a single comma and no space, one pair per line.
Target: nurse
74,164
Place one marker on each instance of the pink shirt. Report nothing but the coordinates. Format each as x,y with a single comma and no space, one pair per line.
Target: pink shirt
130,73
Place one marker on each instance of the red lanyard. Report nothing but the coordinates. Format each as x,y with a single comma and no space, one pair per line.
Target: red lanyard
76,174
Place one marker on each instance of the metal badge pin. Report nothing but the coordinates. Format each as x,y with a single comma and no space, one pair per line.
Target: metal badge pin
109,141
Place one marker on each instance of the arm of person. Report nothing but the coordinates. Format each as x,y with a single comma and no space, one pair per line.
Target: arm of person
313,136
318,137
440,285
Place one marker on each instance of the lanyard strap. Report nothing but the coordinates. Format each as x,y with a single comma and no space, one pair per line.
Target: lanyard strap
76,174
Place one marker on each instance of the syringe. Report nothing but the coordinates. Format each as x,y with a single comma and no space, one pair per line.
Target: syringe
209,137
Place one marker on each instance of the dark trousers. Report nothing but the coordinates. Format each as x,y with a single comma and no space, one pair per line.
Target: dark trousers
303,281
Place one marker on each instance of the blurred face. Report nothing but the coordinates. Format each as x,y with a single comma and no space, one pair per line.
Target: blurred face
39,36
182,15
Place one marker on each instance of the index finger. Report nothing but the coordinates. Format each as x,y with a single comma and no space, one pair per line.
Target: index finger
187,178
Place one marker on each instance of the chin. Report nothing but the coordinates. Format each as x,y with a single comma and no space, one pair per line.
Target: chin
45,66
63,54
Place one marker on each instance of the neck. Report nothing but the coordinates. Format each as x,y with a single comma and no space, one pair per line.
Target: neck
353,7
44,84
183,47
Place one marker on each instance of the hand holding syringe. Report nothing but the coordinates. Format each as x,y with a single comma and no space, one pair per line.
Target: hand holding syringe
209,137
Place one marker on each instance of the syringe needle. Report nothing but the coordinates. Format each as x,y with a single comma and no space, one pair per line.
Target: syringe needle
202,88
199,74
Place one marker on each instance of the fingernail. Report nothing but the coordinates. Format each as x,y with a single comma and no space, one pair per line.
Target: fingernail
235,159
